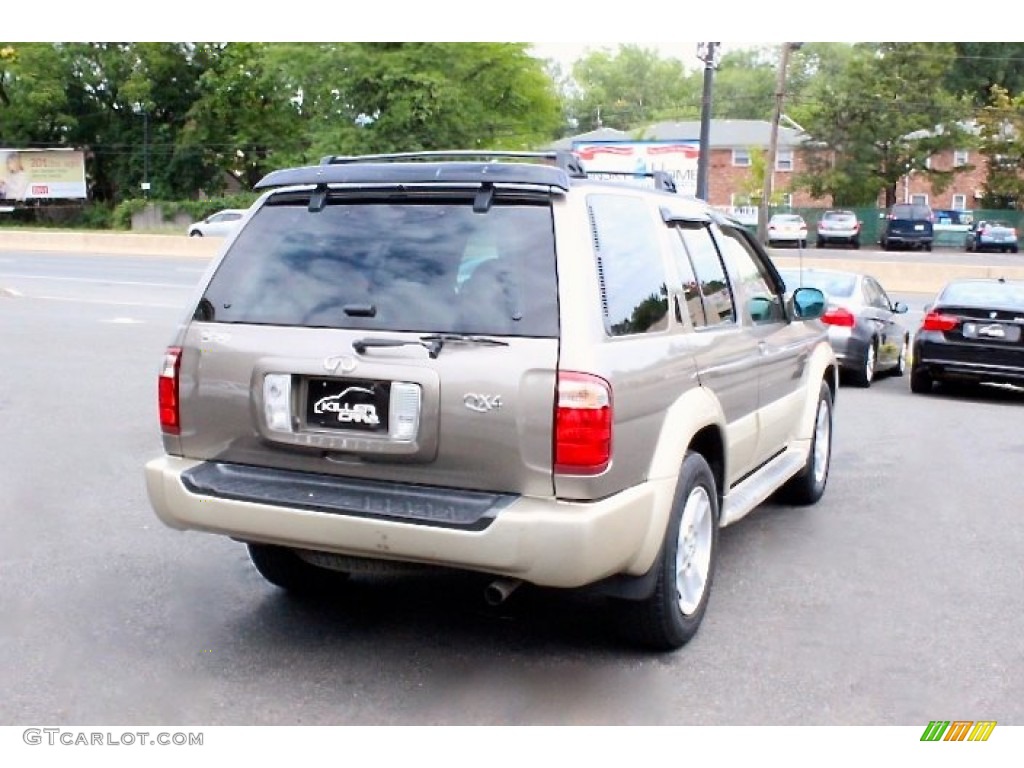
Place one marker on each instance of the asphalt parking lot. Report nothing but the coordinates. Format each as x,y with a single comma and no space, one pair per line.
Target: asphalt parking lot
895,601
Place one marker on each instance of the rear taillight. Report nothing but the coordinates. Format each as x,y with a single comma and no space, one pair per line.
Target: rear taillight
934,321
583,424
838,316
168,392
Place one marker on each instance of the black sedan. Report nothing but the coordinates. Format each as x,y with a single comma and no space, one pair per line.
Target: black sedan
973,332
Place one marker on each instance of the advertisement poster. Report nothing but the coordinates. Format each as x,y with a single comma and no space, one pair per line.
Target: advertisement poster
637,158
42,174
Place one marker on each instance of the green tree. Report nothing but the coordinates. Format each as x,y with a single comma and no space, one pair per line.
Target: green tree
632,87
744,86
33,99
884,116
1001,125
978,67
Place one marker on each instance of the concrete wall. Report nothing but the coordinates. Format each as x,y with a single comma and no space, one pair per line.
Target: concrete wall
104,242
897,276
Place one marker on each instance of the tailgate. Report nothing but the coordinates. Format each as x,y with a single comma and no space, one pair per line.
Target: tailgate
409,338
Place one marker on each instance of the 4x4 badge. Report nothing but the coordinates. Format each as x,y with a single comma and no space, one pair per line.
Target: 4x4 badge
342,363
481,403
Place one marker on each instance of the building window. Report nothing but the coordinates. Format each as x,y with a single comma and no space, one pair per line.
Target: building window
784,160
741,157
960,202
787,200
960,157
919,199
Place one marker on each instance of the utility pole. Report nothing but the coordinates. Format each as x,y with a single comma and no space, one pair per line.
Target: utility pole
706,52
773,141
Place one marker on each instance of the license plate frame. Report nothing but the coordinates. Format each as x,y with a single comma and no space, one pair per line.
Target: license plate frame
995,331
355,405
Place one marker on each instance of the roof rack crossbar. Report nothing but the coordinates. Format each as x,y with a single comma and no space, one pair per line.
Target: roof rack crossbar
567,161
662,179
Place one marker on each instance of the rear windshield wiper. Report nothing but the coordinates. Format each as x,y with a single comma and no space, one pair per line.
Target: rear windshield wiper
432,342
438,340
361,345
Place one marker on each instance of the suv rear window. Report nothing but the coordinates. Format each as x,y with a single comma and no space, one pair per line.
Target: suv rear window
418,265
908,211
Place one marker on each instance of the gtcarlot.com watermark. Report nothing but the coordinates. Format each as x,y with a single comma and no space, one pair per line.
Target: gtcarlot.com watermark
70,738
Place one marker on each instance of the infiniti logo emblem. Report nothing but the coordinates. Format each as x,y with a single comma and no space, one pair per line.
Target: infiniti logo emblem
342,363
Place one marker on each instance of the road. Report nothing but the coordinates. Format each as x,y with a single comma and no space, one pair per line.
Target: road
896,600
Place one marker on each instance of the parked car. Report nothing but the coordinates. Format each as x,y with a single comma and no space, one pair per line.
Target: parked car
972,332
219,224
576,412
787,228
992,235
908,225
842,227
862,322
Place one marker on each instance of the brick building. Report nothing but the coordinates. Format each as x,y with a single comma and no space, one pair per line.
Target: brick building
730,176
731,144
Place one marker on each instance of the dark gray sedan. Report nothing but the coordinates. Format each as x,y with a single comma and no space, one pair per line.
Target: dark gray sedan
861,319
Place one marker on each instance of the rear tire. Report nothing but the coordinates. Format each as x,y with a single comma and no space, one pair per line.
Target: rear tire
283,568
920,381
927,246
671,615
809,486
864,375
901,363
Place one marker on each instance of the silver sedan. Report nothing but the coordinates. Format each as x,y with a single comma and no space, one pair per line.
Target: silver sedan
861,319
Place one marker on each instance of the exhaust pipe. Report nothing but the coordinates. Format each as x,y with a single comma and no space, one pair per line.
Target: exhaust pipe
498,591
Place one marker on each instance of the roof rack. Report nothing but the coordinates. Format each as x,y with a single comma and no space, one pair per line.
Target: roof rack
469,167
567,161
662,179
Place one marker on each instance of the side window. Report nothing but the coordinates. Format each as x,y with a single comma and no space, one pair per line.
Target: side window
689,288
758,288
876,296
707,264
630,266
232,216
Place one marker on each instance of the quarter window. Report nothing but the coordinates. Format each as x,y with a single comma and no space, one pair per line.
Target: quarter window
630,266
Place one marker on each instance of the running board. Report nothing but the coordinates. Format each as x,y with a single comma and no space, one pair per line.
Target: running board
745,497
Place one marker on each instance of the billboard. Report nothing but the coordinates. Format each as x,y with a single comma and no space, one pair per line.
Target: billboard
678,158
42,174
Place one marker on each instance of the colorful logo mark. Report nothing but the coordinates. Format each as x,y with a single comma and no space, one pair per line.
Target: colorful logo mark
958,730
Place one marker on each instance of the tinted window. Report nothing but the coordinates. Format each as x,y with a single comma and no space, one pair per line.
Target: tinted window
630,264
992,294
714,287
838,215
905,211
691,295
391,266
763,303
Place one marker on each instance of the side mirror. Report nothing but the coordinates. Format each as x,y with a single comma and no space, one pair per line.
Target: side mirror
808,303
760,309
900,308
